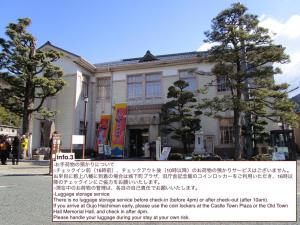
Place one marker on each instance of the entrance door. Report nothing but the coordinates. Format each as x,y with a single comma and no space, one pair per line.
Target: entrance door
209,143
137,138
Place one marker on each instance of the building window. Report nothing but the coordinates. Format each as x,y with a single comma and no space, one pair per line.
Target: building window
153,88
81,127
135,86
226,131
189,77
222,84
144,86
103,88
85,89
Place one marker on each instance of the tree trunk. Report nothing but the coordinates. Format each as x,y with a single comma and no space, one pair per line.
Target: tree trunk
47,128
184,144
28,106
185,148
248,136
237,128
27,122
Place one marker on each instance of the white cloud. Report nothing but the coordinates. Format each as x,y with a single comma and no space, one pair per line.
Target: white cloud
287,33
288,29
206,46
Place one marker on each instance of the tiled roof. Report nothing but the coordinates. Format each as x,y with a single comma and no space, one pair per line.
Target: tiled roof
167,57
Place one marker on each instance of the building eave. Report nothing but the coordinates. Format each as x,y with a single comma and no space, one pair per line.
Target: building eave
151,64
75,58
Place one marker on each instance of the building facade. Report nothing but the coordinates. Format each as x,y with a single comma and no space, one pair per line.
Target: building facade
143,84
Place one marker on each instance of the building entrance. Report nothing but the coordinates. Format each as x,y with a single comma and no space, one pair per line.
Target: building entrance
137,138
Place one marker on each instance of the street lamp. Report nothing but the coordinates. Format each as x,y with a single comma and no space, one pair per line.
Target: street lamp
86,100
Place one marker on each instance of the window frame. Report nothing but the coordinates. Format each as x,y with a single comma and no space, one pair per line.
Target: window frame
153,81
84,89
143,83
226,125
222,84
135,82
191,70
107,87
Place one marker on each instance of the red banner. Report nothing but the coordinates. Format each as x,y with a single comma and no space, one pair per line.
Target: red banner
103,129
119,125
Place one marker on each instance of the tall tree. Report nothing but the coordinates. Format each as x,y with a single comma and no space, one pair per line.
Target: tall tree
28,71
258,132
244,55
179,116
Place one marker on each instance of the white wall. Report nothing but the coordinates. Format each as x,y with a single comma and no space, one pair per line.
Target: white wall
67,103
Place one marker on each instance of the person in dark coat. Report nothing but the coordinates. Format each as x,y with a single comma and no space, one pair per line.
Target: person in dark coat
3,154
16,150
8,146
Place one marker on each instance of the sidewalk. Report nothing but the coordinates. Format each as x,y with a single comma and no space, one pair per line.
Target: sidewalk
25,168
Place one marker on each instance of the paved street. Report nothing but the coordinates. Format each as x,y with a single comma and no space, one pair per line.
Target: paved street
25,196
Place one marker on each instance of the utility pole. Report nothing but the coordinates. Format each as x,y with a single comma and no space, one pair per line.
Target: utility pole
86,100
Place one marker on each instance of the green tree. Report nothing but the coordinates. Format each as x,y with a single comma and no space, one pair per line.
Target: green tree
8,118
179,116
244,55
28,71
258,133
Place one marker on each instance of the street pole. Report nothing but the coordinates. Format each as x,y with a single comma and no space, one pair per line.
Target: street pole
86,100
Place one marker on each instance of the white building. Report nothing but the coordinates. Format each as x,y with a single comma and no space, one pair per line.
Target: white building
140,82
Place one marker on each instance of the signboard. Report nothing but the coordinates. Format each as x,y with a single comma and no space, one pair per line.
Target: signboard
77,139
118,130
103,129
165,153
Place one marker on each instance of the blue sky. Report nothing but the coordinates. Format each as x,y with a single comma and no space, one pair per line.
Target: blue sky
101,30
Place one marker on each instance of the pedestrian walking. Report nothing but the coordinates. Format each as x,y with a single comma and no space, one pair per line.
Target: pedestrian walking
15,150
3,150
8,146
24,145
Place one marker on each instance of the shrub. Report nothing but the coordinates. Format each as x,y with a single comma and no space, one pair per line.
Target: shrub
175,156
210,157
262,157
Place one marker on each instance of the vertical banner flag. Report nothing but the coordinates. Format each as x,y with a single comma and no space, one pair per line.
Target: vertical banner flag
103,129
118,130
